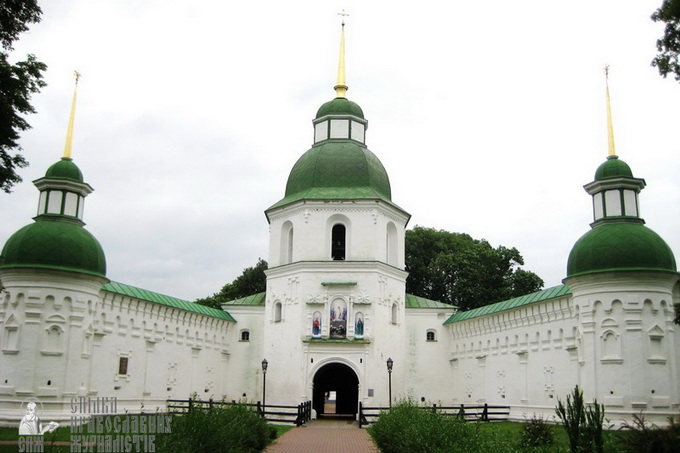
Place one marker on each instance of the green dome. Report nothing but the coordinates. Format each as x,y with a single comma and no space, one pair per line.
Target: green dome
620,246
65,169
613,167
54,245
337,170
340,106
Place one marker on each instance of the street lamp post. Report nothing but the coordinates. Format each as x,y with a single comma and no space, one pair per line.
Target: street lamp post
390,363
264,384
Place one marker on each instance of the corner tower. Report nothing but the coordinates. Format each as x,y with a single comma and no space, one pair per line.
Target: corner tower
51,271
622,275
336,282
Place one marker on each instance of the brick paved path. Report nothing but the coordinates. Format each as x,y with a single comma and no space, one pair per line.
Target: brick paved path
325,436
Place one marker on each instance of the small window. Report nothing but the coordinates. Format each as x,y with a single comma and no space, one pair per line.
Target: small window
394,314
245,335
338,242
277,312
431,335
123,365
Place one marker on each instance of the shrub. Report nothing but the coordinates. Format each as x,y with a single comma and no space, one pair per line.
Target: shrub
224,429
641,437
408,428
536,432
582,423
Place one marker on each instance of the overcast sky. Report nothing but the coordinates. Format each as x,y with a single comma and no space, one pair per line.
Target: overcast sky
488,116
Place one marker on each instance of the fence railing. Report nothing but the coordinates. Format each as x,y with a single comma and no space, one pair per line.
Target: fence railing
469,413
297,415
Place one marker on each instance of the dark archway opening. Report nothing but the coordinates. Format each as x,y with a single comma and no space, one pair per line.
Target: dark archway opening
336,391
338,242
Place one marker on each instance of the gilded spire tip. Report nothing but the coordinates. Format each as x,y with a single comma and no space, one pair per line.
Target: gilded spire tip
71,120
610,126
341,86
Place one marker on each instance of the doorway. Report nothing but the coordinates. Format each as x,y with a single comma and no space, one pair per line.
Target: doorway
336,391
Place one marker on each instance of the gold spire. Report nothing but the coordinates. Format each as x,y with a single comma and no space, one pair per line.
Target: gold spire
610,126
69,132
341,87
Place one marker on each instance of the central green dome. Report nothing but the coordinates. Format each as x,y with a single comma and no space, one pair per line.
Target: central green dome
620,246
337,170
54,244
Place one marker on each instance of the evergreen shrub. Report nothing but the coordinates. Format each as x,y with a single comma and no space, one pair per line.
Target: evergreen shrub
536,432
407,428
642,437
224,429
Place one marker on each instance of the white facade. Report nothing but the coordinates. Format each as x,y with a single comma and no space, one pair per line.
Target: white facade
335,310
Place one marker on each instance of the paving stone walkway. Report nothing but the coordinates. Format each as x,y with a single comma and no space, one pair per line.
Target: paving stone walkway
325,436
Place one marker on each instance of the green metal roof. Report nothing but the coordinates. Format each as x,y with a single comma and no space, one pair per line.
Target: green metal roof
131,291
51,243
337,170
420,302
340,106
65,169
620,246
613,167
510,304
254,299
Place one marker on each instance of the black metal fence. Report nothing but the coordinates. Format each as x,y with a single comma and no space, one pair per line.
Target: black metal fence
479,413
297,415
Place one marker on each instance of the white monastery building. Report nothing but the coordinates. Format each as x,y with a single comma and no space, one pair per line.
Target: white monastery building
335,307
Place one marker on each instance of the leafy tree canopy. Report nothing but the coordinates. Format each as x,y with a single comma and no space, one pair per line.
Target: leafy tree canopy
456,269
448,267
669,44
17,83
251,281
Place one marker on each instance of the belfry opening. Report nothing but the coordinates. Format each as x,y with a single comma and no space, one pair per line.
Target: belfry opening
336,391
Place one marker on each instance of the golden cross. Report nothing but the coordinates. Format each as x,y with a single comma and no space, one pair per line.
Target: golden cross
606,71
77,75
343,14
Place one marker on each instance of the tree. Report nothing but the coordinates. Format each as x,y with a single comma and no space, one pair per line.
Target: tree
456,269
251,281
17,83
448,267
669,44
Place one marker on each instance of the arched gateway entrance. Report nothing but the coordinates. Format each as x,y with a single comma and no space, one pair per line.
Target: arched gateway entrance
336,391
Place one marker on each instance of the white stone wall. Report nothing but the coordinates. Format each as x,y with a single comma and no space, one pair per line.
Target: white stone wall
615,338
62,338
524,358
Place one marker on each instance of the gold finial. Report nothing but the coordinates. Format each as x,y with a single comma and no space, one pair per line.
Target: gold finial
610,126
71,120
341,87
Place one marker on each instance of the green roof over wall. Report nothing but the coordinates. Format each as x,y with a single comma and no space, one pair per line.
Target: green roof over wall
254,299
143,294
510,304
420,302
411,301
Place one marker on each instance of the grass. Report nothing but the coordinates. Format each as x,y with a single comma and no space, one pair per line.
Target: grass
63,434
